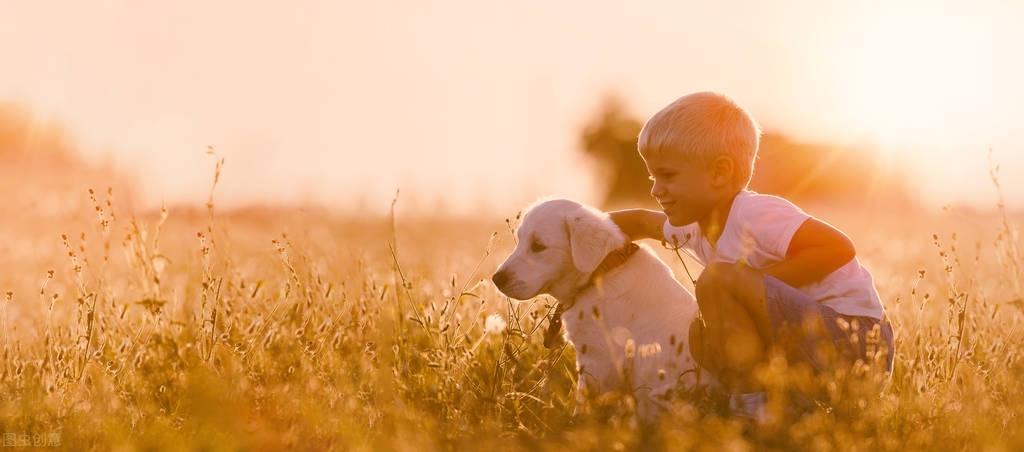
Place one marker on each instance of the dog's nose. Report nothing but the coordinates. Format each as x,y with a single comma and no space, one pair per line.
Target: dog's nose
500,279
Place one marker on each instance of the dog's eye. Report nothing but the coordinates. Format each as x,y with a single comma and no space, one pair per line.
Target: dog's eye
537,247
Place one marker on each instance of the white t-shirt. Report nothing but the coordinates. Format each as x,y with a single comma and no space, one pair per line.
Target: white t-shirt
758,231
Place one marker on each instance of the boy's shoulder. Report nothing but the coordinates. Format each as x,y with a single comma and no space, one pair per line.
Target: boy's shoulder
748,195
767,219
751,205
763,216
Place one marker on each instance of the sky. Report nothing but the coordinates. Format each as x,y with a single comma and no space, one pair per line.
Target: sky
473,104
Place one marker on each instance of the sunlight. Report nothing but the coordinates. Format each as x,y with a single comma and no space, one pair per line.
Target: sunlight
913,68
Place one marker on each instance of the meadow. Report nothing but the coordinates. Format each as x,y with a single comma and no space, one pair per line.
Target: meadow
261,329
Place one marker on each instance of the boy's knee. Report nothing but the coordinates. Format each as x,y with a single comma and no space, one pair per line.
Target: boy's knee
723,283
708,288
718,277
715,296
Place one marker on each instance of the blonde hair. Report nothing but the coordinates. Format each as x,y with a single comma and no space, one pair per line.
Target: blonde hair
704,125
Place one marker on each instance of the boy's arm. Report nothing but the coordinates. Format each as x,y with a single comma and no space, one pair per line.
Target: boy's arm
816,250
640,223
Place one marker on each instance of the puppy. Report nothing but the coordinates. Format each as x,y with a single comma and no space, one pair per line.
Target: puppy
624,312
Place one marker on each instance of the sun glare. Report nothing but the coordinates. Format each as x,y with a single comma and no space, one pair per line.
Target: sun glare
919,73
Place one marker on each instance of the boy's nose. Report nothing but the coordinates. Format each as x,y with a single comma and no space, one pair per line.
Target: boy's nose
656,191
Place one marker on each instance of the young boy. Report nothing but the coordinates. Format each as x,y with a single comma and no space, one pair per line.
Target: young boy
774,276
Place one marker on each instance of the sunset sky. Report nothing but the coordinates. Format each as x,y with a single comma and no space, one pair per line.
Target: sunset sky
481,102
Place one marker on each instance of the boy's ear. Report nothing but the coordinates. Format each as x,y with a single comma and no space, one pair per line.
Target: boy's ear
590,240
723,171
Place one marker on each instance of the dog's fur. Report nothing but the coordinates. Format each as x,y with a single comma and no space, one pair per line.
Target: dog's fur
637,305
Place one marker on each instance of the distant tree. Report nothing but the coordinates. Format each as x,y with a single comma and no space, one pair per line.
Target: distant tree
610,139
799,171
42,173
810,171
22,136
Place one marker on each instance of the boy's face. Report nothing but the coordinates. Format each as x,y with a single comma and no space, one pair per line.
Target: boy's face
686,188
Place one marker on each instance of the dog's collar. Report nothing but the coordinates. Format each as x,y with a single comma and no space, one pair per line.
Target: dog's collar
612,260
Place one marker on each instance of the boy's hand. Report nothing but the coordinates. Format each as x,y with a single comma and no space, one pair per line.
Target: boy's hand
816,250
640,223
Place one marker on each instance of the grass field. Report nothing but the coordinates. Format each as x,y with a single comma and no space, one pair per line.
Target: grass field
270,328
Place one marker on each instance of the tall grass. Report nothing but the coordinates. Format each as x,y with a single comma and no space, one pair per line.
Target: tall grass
313,332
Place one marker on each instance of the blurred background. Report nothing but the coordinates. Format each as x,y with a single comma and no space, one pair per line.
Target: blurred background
477,108
298,311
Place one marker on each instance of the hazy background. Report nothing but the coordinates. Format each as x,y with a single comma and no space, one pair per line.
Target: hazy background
467,104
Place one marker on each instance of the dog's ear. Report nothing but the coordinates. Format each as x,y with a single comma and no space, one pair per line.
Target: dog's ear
590,239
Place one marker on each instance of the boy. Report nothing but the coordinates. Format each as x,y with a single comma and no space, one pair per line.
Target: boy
774,276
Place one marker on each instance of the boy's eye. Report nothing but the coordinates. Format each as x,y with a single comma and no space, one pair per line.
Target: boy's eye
537,247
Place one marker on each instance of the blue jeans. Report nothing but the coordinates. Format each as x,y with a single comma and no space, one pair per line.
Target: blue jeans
790,311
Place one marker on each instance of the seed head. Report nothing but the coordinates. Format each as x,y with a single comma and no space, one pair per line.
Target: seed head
494,324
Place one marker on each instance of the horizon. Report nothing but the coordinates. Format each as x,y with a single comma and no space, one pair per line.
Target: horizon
322,106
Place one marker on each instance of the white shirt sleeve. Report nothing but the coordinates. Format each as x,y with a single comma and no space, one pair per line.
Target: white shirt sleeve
771,222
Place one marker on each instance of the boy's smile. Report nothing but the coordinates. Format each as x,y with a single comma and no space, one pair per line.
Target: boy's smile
682,186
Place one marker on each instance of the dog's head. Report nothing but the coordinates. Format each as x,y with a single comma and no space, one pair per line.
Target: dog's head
560,242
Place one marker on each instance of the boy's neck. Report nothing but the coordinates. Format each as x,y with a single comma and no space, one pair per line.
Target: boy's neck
713,223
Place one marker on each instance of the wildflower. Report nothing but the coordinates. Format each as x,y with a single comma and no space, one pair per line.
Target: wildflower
648,350
630,349
494,324
159,263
